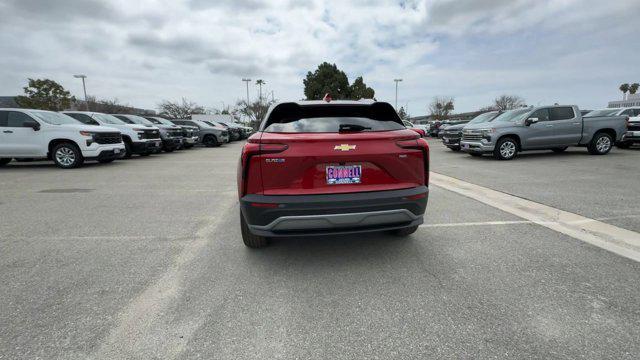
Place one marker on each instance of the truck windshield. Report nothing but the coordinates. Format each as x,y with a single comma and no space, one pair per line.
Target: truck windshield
512,115
603,112
54,118
138,120
483,118
109,119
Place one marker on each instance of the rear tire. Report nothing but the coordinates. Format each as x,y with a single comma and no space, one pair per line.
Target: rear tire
560,149
405,231
600,144
210,141
4,161
249,239
506,149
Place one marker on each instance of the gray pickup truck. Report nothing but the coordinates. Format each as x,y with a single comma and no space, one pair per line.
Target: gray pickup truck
542,128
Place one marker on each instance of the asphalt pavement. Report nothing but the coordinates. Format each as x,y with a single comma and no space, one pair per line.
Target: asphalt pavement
143,259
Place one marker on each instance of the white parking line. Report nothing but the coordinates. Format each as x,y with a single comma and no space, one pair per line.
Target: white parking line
483,223
611,238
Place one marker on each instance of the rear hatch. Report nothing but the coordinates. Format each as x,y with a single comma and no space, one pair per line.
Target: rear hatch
322,149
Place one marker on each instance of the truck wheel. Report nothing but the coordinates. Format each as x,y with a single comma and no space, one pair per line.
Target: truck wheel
506,149
4,161
210,141
67,156
405,231
600,144
624,144
249,239
127,149
560,149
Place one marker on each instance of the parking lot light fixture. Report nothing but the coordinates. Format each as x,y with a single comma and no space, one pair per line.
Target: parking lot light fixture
247,81
84,87
397,81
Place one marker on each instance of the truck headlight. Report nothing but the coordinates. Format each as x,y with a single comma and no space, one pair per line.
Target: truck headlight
486,133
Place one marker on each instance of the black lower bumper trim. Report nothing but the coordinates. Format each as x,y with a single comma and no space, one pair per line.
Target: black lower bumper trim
382,210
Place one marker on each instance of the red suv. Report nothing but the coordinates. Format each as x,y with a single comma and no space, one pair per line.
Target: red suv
318,168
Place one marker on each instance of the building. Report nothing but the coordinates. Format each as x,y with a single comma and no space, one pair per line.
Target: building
8,102
632,100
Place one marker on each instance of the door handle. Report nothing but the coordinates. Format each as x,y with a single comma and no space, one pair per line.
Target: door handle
549,125
8,132
576,123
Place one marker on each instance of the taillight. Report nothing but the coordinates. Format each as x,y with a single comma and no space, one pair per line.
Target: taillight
252,148
422,145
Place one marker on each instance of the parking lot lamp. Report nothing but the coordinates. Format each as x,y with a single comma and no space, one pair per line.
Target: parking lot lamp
247,81
397,81
84,88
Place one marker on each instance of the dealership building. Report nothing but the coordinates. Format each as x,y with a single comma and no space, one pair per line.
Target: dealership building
631,100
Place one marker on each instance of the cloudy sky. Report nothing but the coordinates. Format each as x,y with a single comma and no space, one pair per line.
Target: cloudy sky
144,51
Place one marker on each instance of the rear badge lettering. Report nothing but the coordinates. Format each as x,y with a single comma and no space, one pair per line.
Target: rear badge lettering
274,160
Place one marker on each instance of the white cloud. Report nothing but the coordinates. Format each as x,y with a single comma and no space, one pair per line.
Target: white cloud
145,51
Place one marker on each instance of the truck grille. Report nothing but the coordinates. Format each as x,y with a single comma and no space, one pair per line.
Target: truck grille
471,137
151,134
175,133
225,133
634,126
453,134
107,138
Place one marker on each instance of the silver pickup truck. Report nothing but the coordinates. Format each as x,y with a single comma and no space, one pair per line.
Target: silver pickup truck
542,128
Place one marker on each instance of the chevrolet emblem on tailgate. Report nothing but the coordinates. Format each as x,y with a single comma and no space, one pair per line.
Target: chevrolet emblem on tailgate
344,147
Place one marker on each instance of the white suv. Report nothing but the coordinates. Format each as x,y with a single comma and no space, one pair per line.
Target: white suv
138,139
32,134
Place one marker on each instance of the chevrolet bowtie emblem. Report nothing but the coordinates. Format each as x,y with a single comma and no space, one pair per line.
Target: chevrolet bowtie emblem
344,147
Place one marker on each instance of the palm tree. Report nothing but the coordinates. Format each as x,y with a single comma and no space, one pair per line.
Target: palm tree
633,88
261,82
624,88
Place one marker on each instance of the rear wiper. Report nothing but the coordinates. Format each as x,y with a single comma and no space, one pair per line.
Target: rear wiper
352,127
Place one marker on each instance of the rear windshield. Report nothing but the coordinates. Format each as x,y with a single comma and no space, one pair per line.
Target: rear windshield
293,118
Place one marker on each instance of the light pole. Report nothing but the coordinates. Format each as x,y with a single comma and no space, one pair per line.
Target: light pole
83,85
247,81
397,81
260,82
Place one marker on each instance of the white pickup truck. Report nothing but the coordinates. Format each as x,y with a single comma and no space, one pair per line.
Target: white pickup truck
35,134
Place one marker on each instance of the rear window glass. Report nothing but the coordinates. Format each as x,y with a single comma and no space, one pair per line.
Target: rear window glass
561,113
293,118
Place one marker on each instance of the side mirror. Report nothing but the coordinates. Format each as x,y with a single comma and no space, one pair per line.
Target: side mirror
32,124
530,121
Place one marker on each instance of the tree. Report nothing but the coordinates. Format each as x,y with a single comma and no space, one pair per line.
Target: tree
402,113
45,94
254,111
326,79
441,107
633,88
359,90
508,102
624,88
179,110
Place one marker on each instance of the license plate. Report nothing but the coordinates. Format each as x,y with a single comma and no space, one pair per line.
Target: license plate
116,151
344,174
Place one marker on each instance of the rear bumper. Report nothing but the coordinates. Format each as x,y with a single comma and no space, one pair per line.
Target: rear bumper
303,215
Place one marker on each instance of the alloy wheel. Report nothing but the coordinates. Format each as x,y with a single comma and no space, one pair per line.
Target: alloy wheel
65,156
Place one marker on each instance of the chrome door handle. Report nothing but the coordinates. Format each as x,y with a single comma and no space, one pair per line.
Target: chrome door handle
8,132
576,123
549,125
